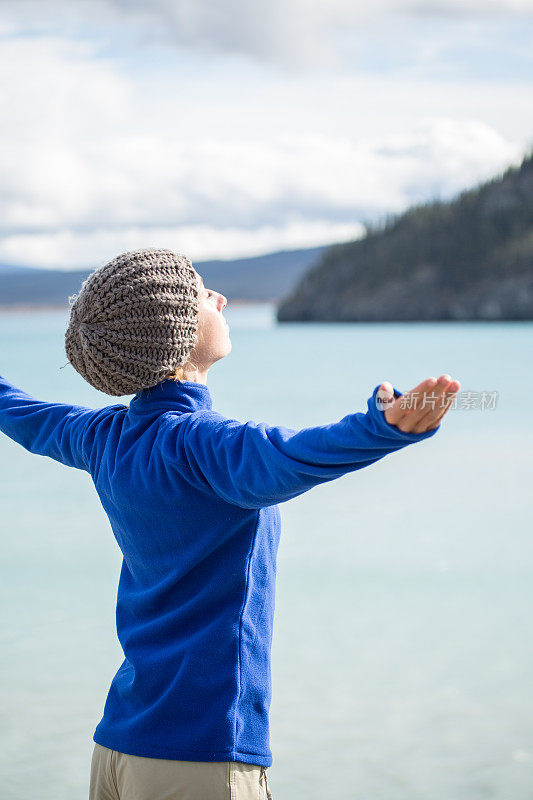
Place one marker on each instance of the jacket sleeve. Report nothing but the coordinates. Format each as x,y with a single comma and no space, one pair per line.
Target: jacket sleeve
59,431
254,464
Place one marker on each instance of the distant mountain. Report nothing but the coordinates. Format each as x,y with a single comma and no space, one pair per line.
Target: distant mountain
261,278
467,259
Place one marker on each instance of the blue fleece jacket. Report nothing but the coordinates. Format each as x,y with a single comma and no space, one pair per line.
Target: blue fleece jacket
192,499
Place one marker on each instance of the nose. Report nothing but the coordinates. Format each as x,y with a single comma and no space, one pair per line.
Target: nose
222,302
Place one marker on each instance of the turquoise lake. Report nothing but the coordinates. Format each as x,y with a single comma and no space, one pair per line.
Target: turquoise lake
402,660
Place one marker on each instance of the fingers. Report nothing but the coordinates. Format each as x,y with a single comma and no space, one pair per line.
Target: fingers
447,401
437,405
427,404
423,407
405,410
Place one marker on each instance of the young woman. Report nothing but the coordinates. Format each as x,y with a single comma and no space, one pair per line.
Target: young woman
191,497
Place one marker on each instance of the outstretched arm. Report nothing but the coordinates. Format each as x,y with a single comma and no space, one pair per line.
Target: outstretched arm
254,464
57,430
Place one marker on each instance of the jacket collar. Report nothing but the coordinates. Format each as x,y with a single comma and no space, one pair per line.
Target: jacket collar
171,395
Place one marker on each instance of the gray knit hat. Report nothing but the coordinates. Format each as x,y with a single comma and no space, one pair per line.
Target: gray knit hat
134,321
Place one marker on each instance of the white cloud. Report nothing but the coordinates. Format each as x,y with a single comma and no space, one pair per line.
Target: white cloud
94,161
54,89
74,207
70,249
298,34
462,8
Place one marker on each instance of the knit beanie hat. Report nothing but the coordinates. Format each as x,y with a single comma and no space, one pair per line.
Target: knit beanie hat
134,321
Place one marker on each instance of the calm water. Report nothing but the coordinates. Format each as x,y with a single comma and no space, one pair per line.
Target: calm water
402,656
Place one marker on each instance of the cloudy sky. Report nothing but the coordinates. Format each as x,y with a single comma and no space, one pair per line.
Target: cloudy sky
239,127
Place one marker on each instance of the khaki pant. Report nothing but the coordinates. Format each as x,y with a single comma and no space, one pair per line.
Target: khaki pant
117,776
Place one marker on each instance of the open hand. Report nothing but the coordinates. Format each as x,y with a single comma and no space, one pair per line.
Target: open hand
420,409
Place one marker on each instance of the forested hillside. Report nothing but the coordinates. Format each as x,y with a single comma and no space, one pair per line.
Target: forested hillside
467,259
